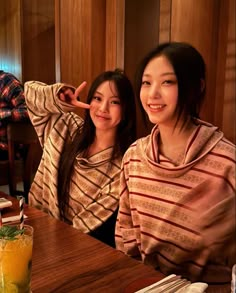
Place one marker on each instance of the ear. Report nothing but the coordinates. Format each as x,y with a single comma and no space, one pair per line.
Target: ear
203,85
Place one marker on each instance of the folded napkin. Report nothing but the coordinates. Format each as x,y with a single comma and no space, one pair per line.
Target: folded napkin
12,219
197,287
174,284
233,282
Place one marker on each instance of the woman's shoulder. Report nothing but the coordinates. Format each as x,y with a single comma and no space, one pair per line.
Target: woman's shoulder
138,146
226,146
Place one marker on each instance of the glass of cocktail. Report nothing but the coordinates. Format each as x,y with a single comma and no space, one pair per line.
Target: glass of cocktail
16,246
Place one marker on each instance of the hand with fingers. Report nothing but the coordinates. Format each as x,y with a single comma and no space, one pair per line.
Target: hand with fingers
66,94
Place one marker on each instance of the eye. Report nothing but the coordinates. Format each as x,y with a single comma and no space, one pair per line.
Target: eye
97,98
145,82
115,102
169,81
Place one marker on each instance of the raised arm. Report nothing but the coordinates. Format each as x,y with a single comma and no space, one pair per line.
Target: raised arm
47,103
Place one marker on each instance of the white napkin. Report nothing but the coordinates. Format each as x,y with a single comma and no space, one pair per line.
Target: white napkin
12,219
157,283
233,282
197,287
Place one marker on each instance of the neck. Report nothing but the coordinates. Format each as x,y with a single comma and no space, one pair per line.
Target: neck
177,136
101,142
172,143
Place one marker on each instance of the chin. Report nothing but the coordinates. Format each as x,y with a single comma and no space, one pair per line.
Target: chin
153,120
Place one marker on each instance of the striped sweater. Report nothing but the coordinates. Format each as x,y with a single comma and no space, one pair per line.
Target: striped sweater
93,192
180,219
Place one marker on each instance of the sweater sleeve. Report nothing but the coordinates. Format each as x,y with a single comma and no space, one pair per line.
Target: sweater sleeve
44,106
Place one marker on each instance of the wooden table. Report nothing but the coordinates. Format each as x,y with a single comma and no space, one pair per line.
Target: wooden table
66,260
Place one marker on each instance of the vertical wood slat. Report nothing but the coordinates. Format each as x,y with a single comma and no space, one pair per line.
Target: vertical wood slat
115,30
165,21
57,41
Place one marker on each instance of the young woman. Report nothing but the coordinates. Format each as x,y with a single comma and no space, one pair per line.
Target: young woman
177,201
78,177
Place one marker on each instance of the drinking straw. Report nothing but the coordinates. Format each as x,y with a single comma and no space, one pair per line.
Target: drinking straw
21,204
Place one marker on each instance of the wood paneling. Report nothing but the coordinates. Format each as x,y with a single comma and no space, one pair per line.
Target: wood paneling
82,40
229,97
165,21
209,25
141,35
115,27
27,46
38,40
187,21
10,37
94,35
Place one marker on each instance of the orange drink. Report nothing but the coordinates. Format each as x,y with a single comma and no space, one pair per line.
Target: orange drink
15,259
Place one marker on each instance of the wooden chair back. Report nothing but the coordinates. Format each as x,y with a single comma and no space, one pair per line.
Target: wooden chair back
21,170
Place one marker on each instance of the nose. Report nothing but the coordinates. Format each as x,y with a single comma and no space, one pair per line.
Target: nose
103,106
154,91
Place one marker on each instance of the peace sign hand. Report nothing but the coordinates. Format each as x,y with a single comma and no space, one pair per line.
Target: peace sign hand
67,95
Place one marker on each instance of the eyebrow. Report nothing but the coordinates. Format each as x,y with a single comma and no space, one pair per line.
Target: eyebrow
163,74
114,96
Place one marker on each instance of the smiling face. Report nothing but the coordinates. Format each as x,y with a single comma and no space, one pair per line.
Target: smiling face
159,91
105,107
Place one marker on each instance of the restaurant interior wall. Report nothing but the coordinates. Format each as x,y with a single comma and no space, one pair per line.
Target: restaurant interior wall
72,41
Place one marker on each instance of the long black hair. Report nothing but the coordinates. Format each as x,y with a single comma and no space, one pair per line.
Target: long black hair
126,132
190,70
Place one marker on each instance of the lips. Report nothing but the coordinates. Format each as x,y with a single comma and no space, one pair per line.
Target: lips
156,106
102,117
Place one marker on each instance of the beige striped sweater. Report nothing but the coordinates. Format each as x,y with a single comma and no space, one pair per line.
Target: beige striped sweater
180,219
93,192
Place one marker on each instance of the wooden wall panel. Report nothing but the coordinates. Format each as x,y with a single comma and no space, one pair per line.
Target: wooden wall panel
115,27
196,22
38,40
209,25
10,37
141,35
229,102
94,35
82,40
165,21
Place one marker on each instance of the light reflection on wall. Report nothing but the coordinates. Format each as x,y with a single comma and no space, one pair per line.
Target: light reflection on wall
11,66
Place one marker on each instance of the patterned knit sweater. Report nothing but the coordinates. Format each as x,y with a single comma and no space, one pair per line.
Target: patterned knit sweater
93,192
180,219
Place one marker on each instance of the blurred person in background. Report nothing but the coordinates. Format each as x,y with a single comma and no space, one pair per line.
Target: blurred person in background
12,108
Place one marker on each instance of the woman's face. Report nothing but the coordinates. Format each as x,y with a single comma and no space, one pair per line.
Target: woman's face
105,107
159,91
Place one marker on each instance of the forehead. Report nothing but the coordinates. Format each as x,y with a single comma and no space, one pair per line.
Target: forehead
107,87
158,65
